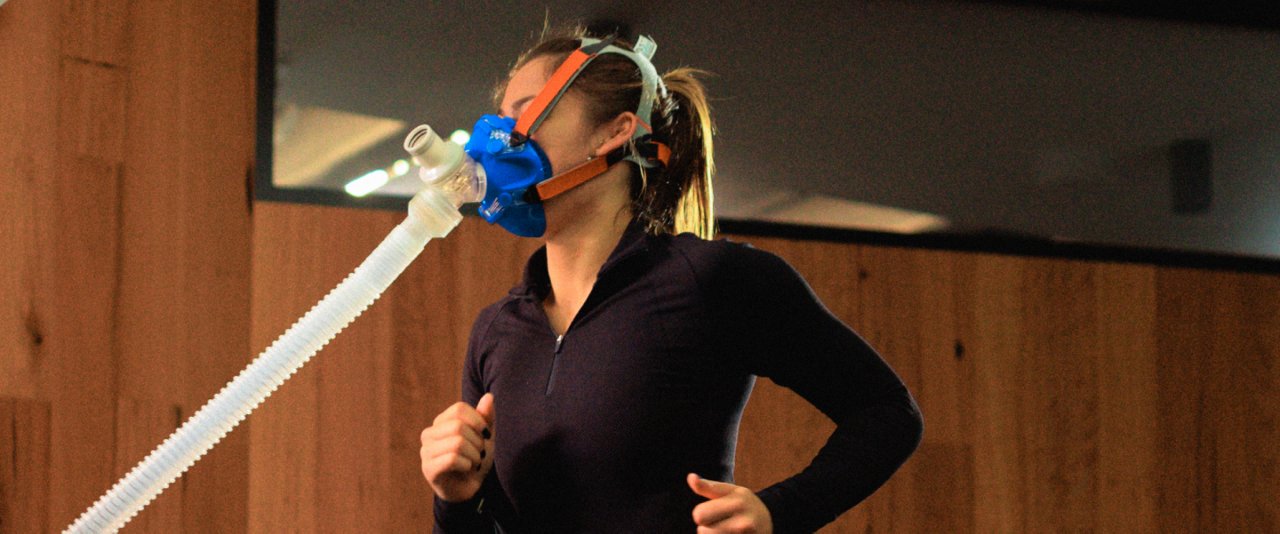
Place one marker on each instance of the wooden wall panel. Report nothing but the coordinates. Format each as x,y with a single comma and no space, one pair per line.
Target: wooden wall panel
183,311
300,254
27,108
1125,299
1058,415
990,326
1218,363
60,158
77,318
909,315
1186,422
353,444
127,135
1247,386
143,425
24,476
96,31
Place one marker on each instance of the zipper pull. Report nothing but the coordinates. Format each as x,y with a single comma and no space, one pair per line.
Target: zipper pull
559,341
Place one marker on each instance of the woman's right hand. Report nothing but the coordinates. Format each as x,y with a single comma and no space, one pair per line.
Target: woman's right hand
457,449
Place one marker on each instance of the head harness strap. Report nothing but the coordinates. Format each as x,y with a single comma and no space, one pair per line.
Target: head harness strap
555,88
564,75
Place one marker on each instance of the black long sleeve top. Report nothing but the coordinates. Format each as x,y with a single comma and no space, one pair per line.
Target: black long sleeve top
595,430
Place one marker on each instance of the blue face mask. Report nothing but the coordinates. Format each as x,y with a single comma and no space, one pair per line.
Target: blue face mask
511,174
518,174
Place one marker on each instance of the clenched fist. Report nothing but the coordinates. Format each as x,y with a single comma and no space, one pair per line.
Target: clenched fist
457,449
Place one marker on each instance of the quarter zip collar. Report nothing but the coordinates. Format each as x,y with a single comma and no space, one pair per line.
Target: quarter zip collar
537,283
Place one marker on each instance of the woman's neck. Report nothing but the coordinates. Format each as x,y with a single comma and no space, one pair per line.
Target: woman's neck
576,253
583,229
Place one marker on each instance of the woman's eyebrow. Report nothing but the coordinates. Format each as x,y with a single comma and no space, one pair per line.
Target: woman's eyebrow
516,105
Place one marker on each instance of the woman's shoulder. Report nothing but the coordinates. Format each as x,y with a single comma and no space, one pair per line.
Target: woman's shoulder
489,315
725,260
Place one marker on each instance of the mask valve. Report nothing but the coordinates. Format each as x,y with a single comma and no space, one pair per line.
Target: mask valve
443,166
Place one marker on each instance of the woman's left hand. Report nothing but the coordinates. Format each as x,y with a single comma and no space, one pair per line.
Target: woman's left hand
730,508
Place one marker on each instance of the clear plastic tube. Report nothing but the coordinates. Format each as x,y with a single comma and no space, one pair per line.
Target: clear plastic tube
432,214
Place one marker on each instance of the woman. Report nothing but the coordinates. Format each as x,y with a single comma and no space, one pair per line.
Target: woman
603,394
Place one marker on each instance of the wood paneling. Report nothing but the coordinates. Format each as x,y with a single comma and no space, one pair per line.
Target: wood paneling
1128,382
145,424
909,308
185,229
78,241
1218,422
1058,409
300,254
1059,395
1246,359
60,155
124,286
990,325
97,31
328,427
1187,424
24,476
27,107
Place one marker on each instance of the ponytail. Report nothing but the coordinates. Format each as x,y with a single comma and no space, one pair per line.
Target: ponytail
683,200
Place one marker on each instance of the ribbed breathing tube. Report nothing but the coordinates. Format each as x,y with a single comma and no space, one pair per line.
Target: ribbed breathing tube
433,213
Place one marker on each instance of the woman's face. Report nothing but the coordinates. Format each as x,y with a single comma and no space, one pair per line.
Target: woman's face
566,135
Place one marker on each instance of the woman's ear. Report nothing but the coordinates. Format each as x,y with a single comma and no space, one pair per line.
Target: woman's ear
617,132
